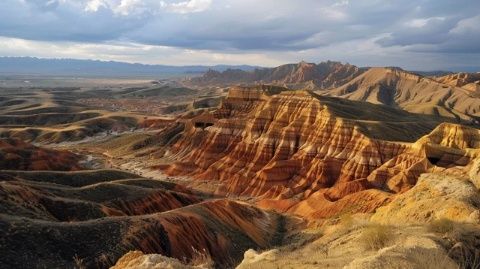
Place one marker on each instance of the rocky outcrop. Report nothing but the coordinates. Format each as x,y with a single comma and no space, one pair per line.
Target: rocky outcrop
139,260
464,80
306,154
302,75
435,196
454,136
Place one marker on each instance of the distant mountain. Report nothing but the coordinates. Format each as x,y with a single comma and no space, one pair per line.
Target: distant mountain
94,68
434,73
301,75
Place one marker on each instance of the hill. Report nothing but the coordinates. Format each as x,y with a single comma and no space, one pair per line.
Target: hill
469,81
302,75
261,143
411,92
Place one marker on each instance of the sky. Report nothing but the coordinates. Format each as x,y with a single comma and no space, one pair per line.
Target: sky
413,34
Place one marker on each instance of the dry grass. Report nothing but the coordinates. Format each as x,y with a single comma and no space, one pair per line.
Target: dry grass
78,262
465,250
441,226
376,236
470,260
201,257
323,249
105,260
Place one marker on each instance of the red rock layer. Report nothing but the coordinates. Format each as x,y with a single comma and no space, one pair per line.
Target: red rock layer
220,229
202,228
158,201
18,155
315,156
292,146
65,203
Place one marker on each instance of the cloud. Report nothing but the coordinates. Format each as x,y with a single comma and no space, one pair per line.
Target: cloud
420,23
274,30
126,7
185,7
129,52
466,26
141,7
94,5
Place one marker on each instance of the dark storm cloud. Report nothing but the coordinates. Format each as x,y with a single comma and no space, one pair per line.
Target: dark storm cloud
242,26
438,26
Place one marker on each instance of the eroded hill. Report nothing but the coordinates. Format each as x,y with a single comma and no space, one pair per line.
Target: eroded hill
92,218
313,177
398,88
312,155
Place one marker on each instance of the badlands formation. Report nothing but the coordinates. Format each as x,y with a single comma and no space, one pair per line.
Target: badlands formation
358,157
398,88
356,170
327,166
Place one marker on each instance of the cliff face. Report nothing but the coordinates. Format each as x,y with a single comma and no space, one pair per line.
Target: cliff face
308,154
315,76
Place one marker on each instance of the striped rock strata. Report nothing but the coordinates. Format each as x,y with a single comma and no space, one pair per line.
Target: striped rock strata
311,155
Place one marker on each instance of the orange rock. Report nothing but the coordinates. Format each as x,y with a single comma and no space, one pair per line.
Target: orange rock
314,155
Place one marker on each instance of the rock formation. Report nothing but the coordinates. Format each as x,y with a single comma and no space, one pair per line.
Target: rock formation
91,219
312,155
398,88
435,196
18,155
470,81
302,75
139,260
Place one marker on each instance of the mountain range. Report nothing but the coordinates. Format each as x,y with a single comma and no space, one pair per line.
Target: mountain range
95,68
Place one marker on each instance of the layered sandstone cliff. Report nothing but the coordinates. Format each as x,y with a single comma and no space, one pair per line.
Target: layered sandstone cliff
315,156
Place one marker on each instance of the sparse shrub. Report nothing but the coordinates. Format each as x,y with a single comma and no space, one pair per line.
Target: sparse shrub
466,256
78,262
470,260
376,236
466,245
104,260
201,258
441,226
323,249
